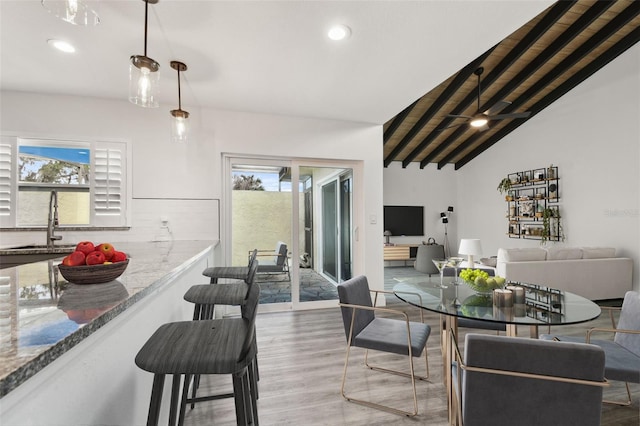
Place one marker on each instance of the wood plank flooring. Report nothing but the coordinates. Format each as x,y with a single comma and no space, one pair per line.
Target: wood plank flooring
301,357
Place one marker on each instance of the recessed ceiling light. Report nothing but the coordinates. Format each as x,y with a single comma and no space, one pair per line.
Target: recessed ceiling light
61,45
339,32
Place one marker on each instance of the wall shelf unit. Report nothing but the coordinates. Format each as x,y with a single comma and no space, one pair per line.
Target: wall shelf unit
534,193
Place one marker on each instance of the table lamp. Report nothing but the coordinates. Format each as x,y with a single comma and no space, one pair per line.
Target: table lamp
387,234
471,247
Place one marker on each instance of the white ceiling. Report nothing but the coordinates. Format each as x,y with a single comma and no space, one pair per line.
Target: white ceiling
261,56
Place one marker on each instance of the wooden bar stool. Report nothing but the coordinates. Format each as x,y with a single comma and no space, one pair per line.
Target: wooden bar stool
231,272
217,346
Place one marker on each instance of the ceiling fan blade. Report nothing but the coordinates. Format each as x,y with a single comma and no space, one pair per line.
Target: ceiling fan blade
510,115
449,127
497,107
458,116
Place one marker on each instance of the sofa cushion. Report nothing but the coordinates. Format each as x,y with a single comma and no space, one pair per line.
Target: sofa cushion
522,254
564,253
598,252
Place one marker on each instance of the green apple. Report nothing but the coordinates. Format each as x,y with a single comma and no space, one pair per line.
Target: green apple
500,281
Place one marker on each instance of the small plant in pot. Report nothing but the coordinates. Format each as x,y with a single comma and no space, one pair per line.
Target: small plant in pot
551,216
505,186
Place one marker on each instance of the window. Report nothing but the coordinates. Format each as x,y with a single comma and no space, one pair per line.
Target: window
89,177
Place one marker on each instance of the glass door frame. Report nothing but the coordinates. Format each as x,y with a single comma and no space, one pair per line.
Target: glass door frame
294,164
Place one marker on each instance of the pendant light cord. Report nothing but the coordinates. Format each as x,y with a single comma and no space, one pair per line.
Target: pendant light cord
179,96
146,14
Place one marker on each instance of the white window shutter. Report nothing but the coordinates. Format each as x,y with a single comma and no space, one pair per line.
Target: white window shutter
7,181
109,187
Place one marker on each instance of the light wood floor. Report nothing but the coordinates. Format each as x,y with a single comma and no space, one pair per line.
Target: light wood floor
301,358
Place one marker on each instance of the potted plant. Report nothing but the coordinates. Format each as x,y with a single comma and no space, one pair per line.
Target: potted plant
549,214
504,185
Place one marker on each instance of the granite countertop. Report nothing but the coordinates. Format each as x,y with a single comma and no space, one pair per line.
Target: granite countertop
42,315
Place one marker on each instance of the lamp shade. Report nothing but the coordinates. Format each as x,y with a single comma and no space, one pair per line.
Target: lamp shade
179,125
471,247
144,81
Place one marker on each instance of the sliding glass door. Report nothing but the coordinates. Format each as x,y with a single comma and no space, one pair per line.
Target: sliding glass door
305,204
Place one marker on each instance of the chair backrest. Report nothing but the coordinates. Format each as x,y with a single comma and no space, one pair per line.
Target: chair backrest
355,292
251,275
496,399
629,320
252,257
249,312
281,253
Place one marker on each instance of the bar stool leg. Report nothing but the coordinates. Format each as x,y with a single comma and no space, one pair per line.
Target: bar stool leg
183,399
156,400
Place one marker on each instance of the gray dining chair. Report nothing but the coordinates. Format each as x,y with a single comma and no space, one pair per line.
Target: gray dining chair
527,382
392,335
622,354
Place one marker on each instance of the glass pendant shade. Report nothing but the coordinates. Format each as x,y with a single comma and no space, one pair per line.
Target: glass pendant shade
76,12
144,82
179,125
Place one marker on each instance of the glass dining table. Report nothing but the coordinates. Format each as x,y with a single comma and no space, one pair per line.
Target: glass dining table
529,305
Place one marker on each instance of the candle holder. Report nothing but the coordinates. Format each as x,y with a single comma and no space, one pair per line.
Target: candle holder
518,293
502,298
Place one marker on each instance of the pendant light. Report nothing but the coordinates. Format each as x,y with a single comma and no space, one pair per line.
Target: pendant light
144,73
76,12
179,123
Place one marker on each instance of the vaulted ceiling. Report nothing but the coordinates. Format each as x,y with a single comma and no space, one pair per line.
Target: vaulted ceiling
532,68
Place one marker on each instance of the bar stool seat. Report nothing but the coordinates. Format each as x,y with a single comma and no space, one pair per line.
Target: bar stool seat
231,272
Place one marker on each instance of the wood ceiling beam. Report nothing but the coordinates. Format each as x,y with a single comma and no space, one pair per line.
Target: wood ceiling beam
455,84
551,17
613,52
575,29
578,54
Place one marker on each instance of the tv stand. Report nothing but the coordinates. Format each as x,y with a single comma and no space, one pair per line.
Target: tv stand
400,252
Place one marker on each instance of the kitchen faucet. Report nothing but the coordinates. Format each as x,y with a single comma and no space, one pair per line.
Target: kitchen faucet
53,222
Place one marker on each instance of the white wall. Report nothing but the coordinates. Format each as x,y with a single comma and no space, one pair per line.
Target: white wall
593,135
433,189
184,182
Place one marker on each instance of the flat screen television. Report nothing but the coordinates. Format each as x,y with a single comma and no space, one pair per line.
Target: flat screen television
404,220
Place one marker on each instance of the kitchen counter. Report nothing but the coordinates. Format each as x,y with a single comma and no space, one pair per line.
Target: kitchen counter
42,316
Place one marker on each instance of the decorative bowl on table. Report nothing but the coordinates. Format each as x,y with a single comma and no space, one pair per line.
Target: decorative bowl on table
480,281
485,287
93,274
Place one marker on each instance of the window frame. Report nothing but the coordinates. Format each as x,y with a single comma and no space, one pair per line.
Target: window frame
115,211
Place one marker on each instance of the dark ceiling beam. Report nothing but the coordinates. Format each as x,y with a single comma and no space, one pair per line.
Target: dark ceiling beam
551,17
554,47
455,84
613,52
578,54
397,121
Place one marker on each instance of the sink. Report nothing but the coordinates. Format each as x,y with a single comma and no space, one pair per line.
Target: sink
16,256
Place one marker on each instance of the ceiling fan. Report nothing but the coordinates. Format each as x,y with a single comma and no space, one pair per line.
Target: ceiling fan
480,120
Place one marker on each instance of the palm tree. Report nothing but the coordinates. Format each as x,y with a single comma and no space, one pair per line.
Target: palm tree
247,183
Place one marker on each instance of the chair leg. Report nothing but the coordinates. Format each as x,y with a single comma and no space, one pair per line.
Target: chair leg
244,411
183,399
175,392
156,400
376,405
621,403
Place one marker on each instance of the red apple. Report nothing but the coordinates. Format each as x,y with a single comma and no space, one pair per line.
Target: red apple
107,250
118,256
95,258
86,247
74,259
